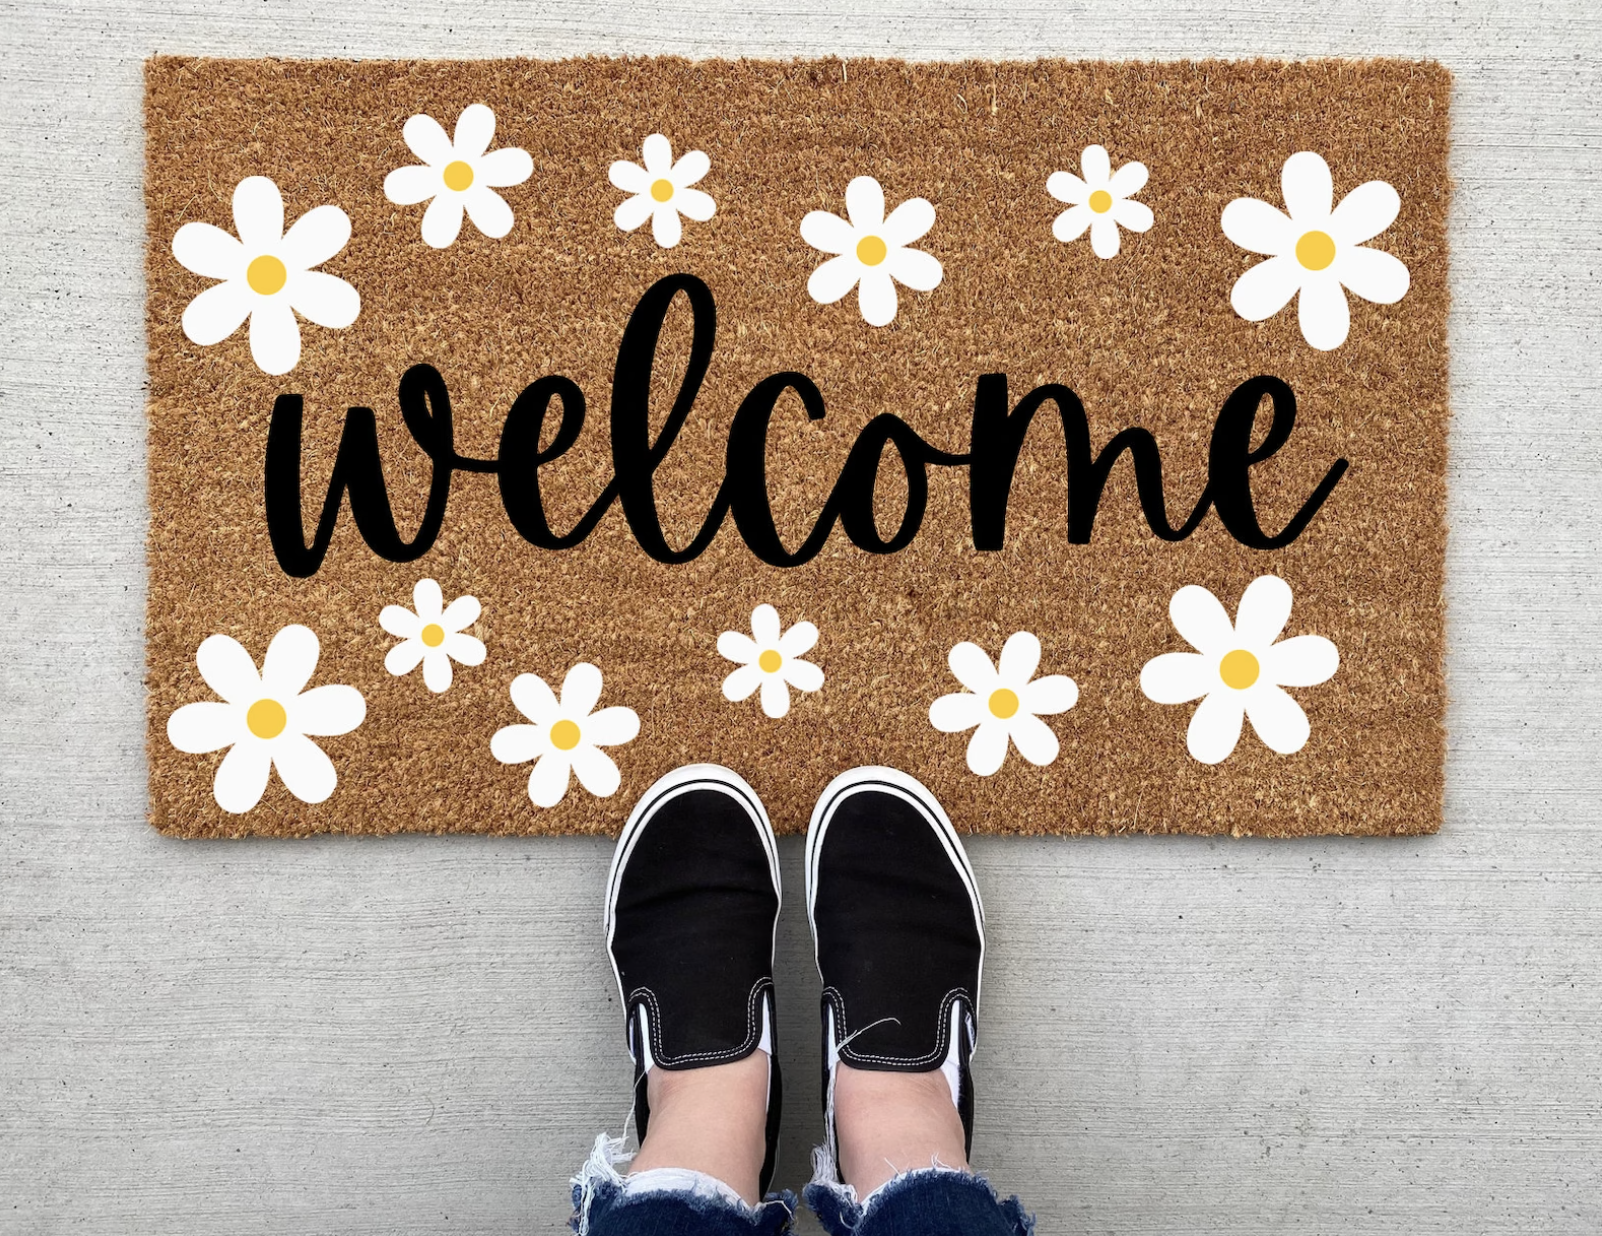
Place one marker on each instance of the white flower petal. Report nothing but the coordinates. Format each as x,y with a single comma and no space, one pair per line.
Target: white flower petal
203,727
1266,288
633,211
1323,313
324,299
1128,180
516,744
209,251
742,683
488,211
611,727
1020,658
406,186
802,675
442,221
798,640
304,768
1309,193
428,141
1096,166
217,312
580,690
973,669
765,627
228,669
500,169
1104,236
691,168
834,279
547,781
405,656
242,777
1373,274
258,213
1364,213
1198,616
428,600
865,204
920,271
1071,224
1034,739
1066,187
1135,216
437,671
400,621
630,177
828,234
475,127
1178,677
775,696
534,699
1050,695
465,649
1215,726
460,613
950,714
1258,227
738,647
876,297
596,771
290,662
658,155
695,205
1263,611
1303,661
988,747
666,229
326,711
908,222
1277,718
274,337
315,237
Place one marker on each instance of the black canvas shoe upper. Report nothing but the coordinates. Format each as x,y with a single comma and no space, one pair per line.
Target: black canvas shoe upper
692,903
898,930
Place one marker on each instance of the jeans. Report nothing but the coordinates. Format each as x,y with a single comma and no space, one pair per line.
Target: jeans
935,1201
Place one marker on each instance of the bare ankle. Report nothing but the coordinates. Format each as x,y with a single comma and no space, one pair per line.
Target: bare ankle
710,1120
894,1122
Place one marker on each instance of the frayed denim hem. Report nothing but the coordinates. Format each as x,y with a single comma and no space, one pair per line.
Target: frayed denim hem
605,1201
928,1191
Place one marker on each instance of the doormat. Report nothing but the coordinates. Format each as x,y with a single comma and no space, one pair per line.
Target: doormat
1071,436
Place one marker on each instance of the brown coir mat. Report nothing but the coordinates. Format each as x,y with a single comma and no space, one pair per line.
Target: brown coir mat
1071,436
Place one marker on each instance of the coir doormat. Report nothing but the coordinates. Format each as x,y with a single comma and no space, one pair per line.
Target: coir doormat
1069,435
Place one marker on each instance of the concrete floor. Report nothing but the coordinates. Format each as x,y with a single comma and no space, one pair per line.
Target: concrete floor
1180,1036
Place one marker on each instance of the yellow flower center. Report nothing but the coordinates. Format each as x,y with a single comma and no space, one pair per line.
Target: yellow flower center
266,718
1101,201
458,176
266,275
662,189
1315,250
871,250
1238,669
433,635
770,661
564,735
1003,703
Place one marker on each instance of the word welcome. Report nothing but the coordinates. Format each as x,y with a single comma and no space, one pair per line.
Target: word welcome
996,441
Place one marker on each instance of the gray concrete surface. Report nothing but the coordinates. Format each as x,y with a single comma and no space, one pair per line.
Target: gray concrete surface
1180,1036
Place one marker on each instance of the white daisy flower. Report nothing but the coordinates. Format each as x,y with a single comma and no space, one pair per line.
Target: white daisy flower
873,251
458,175
267,719
566,736
266,275
1315,251
1004,704
1099,201
1238,669
770,658
431,636
661,190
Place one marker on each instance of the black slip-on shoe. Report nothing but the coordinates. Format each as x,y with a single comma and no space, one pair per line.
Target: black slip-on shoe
692,904
899,935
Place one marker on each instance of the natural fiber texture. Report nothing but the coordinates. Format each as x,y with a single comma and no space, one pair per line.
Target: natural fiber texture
1147,339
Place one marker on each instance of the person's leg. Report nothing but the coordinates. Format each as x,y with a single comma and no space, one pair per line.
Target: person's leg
899,936
692,899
